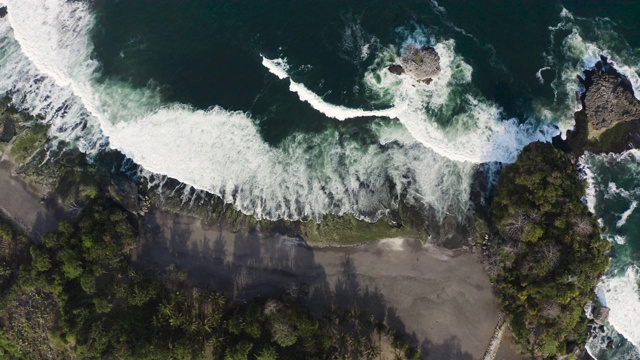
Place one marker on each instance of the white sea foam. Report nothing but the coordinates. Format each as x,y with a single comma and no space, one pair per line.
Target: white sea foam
621,295
587,174
49,71
475,132
279,67
619,239
618,289
626,214
539,74
566,13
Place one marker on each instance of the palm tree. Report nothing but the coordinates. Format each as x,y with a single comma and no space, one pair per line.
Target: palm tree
372,352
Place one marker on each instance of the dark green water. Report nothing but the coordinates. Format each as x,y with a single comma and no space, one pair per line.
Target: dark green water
207,53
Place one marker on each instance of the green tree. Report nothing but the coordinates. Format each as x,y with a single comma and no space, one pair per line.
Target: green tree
550,254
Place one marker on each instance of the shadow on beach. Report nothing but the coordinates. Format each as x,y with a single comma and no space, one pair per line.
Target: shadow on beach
385,280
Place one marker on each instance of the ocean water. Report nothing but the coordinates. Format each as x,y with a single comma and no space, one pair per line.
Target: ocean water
614,193
285,109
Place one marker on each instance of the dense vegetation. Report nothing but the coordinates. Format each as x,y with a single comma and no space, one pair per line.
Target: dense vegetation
81,297
549,252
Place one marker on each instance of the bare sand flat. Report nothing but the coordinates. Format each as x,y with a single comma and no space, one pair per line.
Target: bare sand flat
17,200
507,351
442,298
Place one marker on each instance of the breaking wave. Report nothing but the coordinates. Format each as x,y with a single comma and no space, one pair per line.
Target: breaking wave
442,115
614,194
576,45
46,55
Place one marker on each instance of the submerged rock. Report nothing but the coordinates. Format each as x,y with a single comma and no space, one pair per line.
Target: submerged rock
422,64
396,69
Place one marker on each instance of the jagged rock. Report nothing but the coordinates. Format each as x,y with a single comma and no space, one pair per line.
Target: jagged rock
125,193
396,69
3,11
601,315
422,64
609,98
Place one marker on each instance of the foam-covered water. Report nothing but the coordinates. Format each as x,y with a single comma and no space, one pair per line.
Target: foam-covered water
217,150
576,45
615,184
478,133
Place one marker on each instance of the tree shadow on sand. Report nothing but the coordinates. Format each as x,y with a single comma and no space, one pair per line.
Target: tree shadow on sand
246,266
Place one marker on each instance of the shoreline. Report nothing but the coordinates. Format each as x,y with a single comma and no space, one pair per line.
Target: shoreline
441,298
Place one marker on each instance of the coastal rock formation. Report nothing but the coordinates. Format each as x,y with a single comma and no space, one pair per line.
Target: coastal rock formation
609,120
609,101
396,69
601,315
422,64
125,193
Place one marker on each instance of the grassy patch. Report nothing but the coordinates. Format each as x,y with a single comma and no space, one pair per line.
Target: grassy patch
29,143
346,230
617,138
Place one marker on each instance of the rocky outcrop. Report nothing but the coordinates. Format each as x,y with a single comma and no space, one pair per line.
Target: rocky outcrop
396,69
125,192
3,11
608,102
601,315
422,64
609,98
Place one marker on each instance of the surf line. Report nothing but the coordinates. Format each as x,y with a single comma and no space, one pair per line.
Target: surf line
278,67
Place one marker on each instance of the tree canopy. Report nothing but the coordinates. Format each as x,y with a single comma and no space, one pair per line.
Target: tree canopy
549,249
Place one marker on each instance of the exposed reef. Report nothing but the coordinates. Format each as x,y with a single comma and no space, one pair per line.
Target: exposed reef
422,64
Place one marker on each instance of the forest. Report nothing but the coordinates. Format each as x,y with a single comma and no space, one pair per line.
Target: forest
547,253
77,294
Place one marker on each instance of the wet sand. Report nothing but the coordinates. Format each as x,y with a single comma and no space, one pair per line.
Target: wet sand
441,298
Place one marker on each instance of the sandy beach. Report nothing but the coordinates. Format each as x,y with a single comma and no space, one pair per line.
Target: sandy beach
29,210
443,299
